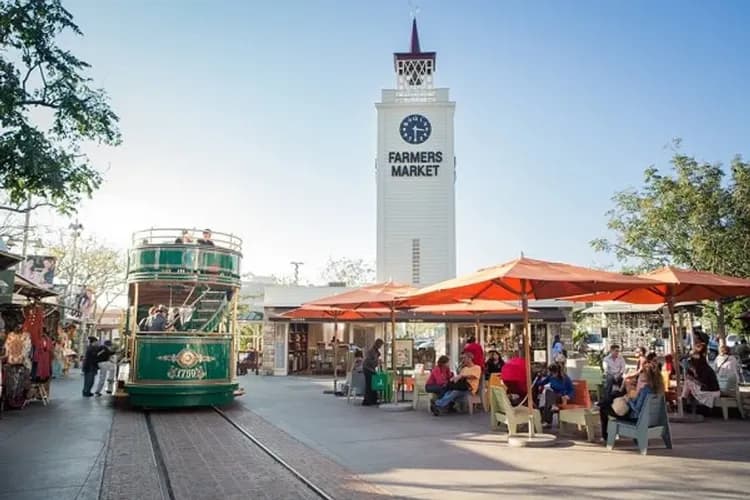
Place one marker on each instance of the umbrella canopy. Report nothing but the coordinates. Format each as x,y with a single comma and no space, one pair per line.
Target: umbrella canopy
472,307
368,297
676,285
334,313
524,277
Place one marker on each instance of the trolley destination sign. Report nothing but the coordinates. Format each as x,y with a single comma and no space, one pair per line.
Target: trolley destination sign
415,163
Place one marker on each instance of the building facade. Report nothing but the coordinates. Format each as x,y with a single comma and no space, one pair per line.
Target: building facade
416,174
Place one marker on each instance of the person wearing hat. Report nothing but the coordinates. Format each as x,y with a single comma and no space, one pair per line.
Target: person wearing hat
90,366
206,239
159,321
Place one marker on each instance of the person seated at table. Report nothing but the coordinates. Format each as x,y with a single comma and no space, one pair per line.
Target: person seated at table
494,364
701,384
459,386
614,370
513,373
557,391
637,379
439,378
654,385
727,369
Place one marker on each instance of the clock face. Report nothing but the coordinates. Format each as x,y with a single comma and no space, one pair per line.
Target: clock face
415,129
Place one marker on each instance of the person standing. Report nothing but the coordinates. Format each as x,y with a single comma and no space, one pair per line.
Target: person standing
369,367
106,368
90,367
206,239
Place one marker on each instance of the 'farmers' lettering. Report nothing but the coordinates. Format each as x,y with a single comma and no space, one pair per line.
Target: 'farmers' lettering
415,163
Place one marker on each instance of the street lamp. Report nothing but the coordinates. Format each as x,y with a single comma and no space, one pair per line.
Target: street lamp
296,266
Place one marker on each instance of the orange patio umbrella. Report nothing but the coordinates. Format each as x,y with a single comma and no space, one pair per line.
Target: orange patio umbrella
476,308
523,279
377,296
334,314
673,285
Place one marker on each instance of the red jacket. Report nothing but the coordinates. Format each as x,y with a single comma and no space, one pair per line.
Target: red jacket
439,376
477,352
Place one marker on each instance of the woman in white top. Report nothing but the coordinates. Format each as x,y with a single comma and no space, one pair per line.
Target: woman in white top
727,370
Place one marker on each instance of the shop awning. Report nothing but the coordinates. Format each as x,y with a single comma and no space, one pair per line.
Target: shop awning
8,259
30,289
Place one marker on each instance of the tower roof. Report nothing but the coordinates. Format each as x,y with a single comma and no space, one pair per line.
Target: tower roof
415,52
414,37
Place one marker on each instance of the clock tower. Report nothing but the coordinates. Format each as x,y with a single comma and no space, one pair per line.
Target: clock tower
416,173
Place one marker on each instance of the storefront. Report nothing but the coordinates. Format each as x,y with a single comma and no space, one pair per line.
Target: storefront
307,347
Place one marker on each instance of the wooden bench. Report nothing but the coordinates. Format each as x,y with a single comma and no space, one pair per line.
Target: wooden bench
580,411
651,423
502,412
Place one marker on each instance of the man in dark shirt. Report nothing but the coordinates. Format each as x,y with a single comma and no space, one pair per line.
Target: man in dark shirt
369,366
90,366
206,239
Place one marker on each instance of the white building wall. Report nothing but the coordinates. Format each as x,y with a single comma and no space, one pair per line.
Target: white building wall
418,207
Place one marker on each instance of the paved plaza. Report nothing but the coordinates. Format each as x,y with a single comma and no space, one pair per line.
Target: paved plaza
416,455
79,448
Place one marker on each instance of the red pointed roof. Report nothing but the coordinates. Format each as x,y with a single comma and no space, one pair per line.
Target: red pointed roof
415,51
414,37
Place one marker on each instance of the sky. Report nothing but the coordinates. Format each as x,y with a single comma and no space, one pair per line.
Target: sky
257,117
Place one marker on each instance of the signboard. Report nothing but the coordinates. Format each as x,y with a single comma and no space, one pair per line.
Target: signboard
7,282
39,269
404,354
187,360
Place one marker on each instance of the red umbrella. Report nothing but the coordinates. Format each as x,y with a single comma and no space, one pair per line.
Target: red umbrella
524,279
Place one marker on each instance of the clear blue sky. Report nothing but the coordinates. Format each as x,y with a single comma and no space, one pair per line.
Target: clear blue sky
258,117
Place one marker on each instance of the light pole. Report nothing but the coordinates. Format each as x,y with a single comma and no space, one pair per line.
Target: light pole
76,229
296,266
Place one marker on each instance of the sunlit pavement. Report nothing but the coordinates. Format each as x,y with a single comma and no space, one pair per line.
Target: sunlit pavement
417,455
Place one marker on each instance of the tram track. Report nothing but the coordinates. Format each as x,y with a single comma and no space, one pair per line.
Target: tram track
170,489
318,491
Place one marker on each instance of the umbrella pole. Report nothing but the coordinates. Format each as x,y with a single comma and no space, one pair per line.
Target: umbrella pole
527,356
393,346
677,362
335,351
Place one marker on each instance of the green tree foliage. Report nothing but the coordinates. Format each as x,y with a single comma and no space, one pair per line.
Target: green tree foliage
351,272
48,109
696,216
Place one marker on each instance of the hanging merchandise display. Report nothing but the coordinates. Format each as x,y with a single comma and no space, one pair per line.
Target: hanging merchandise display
33,321
16,373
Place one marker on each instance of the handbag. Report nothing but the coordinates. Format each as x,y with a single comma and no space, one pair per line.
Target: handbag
378,381
620,406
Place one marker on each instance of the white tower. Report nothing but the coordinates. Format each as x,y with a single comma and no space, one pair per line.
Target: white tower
416,173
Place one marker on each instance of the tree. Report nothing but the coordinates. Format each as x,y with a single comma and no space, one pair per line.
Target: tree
692,217
48,109
88,263
351,272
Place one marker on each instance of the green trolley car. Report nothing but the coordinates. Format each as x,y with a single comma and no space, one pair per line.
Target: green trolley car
185,354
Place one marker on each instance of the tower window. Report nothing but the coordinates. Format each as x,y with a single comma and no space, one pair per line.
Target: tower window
415,261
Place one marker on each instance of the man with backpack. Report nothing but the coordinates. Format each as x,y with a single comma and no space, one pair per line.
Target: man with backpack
106,368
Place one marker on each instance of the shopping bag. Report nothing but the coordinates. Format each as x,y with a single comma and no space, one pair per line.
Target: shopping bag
378,381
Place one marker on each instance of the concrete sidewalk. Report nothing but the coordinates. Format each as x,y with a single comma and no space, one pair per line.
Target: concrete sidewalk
416,455
55,451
